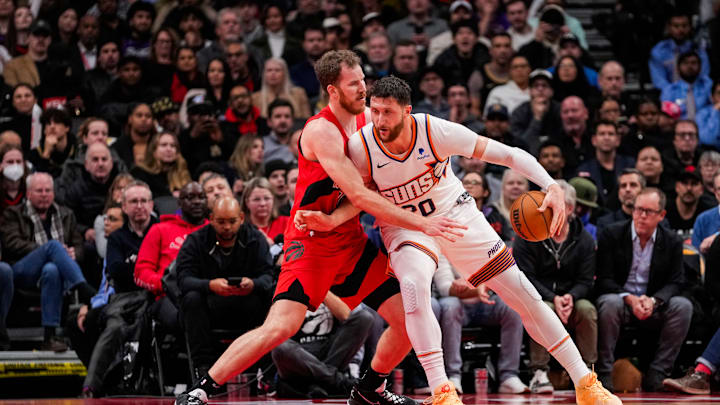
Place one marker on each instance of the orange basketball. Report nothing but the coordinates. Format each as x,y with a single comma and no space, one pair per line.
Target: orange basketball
527,222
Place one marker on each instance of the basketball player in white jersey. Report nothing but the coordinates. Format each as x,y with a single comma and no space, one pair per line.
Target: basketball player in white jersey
406,156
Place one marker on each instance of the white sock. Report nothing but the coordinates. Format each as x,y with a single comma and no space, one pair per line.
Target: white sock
414,269
541,323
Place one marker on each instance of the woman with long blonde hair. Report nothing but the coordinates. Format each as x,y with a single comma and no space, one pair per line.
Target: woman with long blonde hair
247,159
276,84
163,167
258,204
513,185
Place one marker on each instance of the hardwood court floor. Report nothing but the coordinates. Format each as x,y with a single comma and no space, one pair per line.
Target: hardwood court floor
562,397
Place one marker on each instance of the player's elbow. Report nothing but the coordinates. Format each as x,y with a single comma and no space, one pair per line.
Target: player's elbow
359,198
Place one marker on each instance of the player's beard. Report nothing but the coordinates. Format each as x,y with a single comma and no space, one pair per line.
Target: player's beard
351,105
394,131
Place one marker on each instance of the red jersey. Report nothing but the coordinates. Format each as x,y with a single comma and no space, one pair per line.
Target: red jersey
316,191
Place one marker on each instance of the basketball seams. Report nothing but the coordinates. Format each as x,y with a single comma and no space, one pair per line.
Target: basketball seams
542,214
522,212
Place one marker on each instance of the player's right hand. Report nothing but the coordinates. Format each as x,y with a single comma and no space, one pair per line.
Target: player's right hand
313,221
443,227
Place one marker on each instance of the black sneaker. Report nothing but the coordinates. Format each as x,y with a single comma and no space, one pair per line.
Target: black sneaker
358,397
194,397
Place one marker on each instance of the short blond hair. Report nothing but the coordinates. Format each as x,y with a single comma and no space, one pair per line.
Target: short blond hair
328,67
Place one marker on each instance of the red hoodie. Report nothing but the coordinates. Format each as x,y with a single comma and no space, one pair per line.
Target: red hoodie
159,248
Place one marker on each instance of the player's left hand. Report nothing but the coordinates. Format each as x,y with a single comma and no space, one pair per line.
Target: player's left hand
313,221
555,199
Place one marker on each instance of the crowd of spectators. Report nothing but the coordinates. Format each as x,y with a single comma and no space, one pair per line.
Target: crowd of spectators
151,138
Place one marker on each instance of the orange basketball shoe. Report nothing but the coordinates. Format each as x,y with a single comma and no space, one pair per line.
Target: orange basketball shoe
444,395
591,392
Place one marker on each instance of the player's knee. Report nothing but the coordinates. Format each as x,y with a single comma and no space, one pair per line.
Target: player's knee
408,288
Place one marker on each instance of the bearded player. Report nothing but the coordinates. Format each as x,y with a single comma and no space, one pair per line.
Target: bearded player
342,260
407,157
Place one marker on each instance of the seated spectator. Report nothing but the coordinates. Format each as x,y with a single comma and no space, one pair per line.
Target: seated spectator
685,151
284,46
562,269
432,88
24,117
243,69
161,246
130,87
114,198
303,72
291,177
607,164
707,224
379,55
216,89
629,183
163,168
41,243
96,82
241,115
569,80
645,131
87,193
494,73
535,120
497,127
575,136
314,361
227,28
124,244
548,33
14,173
186,76
246,160
167,115
520,31
692,90
569,23
161,66
216,186
687,205
640,267
131,145
24,68
516,91
708,119
697,380
258,205
228,250
709,165
663,57
513,185
204,140
570,46
139,18
276,84
611,82
649,163
458,97
419,15
610,110
57,142
280,123
92,130
275,172
550,157
405,65
465,56
586,203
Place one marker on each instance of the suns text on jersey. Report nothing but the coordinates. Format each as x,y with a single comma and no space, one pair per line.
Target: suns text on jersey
417,186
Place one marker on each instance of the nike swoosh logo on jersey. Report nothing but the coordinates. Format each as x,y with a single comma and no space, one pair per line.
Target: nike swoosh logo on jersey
380,166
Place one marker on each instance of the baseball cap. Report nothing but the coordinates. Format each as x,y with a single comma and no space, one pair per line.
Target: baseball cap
374,15
569,37
331,22
460,3
164,105
540,74
199,105
690,172
40,27
274,165
585,190
497,111
671,109
553,15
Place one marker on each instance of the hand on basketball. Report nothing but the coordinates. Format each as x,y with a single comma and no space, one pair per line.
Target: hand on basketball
443,227
313,221
555,199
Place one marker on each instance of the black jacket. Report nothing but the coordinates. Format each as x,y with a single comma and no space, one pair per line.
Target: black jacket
531,132
200,261
614,259
573,275
122,250
86,197
454,68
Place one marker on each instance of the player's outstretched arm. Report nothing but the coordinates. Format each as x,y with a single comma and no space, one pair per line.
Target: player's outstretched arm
330,152
310,220
524,163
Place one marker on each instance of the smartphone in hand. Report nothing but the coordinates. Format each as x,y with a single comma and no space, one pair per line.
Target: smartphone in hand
235,281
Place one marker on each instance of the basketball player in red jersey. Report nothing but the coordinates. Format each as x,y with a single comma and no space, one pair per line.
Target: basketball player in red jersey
342,260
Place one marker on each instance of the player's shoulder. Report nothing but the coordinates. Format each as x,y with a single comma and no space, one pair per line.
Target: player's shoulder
321,129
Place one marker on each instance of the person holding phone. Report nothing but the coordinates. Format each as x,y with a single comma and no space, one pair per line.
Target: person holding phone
222,268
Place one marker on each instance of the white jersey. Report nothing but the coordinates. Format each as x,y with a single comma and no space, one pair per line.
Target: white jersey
421,180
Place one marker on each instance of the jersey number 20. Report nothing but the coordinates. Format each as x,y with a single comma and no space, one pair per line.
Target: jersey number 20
426,207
